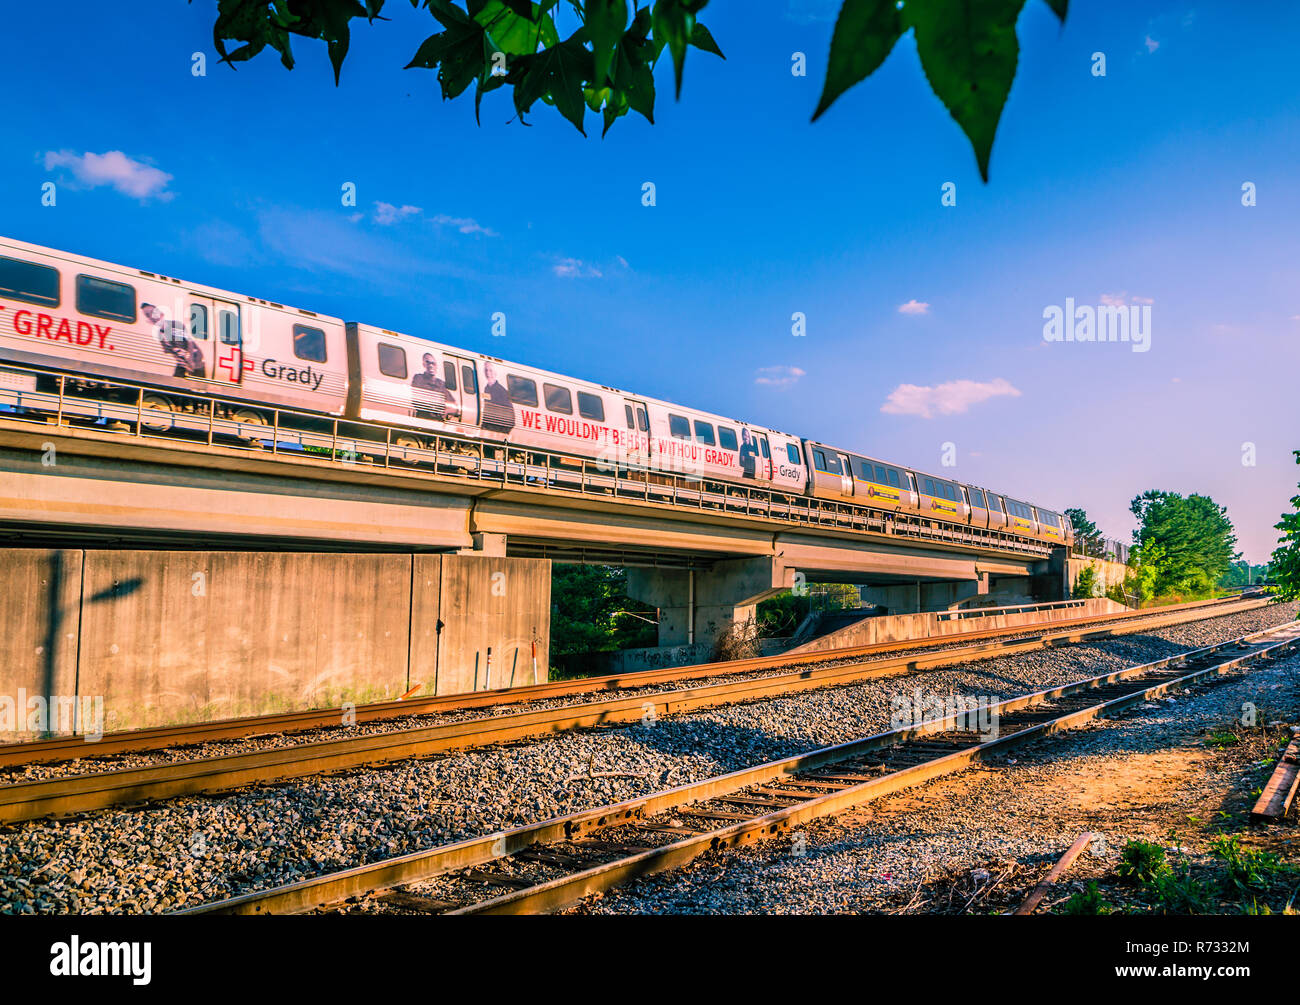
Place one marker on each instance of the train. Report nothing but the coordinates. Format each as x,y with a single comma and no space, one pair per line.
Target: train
183,342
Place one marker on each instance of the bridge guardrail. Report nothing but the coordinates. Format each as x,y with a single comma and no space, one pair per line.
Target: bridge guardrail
355,443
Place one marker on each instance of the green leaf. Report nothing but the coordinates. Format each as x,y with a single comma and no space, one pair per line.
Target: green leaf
459,54
865,33
702,38
555,75
673,24
968,49
513,35
633,76
605,22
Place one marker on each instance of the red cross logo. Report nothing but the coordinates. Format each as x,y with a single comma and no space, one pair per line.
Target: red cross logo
230,362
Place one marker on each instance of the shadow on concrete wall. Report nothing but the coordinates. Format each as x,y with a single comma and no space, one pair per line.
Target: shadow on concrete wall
54,627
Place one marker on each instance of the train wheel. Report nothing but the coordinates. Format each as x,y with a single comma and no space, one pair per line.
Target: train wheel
253,419
163,417
405,441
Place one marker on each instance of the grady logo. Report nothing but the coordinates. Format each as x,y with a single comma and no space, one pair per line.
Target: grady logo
102,959
280,371
1109,322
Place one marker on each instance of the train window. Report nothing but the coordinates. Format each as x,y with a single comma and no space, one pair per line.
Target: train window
591,407
468,379
727,438
558,399
199,321
827,462
522,390
864,471
893,478
449,374
103,298
704,433
679,426
977,498
29,282
642,422
762,442
309,343
631,419
792,452
392,360
228,327
928,485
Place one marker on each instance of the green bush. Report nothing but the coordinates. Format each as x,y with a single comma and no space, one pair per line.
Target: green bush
1141,862
1088,901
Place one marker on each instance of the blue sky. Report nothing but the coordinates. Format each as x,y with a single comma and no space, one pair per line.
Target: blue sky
1124,188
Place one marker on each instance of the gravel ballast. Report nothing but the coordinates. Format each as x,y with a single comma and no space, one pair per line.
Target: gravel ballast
190,850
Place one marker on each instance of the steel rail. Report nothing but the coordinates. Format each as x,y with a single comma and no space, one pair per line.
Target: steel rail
98,790
563,892
307,894
157,737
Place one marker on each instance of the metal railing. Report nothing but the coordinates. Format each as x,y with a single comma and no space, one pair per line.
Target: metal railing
1111,551
44,396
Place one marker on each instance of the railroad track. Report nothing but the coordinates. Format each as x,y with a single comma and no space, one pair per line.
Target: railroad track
63,748
550,865
99,790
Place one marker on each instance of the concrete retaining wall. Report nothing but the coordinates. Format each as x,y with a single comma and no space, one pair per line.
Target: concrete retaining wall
903,627
1109,574
169,637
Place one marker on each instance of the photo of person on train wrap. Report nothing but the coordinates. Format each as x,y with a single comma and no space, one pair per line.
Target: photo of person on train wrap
436,402
176,342
498,409
748,454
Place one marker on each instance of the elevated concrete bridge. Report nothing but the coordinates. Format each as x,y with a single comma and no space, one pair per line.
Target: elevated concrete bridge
704,553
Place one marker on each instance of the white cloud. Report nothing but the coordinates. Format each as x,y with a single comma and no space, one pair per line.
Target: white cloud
462,223
1151,44
114,168
778,376
386,214
1122,299
914,307
576,268
950,398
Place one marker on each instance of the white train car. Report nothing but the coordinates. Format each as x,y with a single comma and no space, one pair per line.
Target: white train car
78,315
432,387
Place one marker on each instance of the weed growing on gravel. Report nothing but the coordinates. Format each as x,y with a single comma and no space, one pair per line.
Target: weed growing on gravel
1245,868
1088,901
1221,738
1177,891
1141,862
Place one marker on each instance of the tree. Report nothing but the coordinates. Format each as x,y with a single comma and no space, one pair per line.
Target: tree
590,611
1087,538
1284,566
1183,545
601,54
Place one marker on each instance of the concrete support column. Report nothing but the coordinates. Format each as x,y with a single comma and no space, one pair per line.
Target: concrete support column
493,545
699,605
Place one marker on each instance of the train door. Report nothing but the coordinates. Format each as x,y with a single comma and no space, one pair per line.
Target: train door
636,427
222,343
209,343
763,465
461,378
846,476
